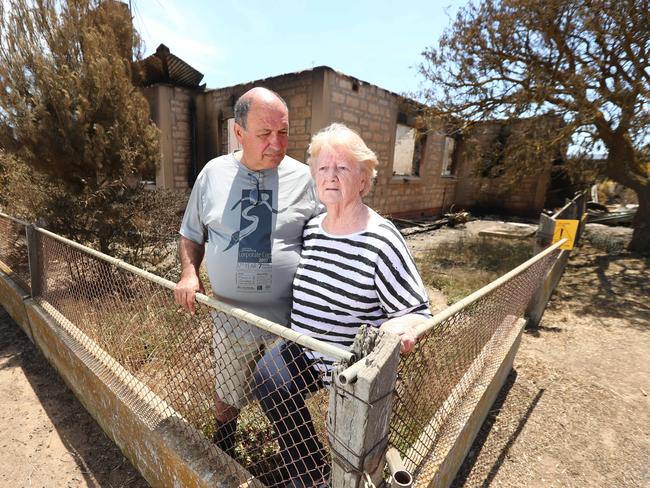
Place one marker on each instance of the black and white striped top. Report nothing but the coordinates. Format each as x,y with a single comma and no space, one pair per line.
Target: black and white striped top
344,281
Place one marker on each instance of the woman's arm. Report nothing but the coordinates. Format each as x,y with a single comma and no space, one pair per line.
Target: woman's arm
404,327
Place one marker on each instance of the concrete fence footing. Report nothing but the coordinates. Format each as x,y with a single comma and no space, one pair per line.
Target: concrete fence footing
157,441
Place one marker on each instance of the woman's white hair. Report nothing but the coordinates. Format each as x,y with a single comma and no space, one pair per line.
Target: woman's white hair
341,138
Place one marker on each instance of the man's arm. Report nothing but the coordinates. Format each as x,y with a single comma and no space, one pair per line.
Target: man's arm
191,255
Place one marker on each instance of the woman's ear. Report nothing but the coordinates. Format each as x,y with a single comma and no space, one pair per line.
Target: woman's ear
364,184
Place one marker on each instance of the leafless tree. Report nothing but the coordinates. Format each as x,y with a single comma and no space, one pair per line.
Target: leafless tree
584,61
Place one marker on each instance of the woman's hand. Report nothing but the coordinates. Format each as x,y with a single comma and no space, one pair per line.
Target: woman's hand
404,327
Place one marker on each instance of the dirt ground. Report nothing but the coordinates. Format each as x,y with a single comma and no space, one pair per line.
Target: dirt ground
47,438
575,411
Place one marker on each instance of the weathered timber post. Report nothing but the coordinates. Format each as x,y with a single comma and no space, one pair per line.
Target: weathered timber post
581,208
573,210
361,401
34,255
544,234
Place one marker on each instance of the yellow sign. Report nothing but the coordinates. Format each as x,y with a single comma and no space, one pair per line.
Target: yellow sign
565,229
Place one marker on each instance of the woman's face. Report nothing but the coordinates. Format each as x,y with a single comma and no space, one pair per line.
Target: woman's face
338,180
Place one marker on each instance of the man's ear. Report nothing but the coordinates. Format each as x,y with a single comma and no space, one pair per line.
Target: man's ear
238,129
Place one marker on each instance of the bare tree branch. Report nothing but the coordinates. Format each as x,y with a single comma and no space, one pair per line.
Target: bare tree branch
586,62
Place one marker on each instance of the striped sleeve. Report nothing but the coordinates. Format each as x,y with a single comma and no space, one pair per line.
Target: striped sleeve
397,280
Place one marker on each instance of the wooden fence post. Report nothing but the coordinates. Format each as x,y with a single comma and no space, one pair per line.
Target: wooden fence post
544,234
581,204
574,210
359,415
34,255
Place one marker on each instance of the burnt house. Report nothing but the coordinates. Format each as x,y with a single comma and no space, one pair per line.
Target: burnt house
421,171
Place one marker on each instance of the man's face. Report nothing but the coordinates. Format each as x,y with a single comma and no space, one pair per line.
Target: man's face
266,136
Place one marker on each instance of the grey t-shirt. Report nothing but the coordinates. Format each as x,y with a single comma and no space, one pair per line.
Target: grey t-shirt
253,223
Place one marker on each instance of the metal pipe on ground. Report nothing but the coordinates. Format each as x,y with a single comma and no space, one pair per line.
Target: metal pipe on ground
400,477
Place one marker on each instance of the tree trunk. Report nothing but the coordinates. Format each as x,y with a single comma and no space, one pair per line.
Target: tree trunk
641,237
620,163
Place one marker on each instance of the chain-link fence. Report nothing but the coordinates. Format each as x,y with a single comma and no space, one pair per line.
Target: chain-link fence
453,350
13,250
224,376
249,389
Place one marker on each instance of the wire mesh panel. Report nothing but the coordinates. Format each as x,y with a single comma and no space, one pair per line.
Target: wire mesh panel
256,396
435,378
13,250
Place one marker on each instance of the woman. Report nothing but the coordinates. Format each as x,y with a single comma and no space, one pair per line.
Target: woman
354,269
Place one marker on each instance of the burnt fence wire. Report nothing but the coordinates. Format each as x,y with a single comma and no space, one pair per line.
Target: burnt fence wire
13,250
449,357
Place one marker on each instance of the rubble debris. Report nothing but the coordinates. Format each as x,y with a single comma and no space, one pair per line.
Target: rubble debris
458,218
509,230
612,239
611,214
416,227
408,223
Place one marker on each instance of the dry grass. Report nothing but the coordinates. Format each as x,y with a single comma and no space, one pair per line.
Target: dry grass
574,412
462,267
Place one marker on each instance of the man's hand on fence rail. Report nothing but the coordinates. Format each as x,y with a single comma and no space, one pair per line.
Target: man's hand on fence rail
191,255
186,289
404,327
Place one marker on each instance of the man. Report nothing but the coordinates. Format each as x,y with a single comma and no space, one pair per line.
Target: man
250,206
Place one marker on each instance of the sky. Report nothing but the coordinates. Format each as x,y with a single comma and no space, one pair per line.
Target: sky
233,42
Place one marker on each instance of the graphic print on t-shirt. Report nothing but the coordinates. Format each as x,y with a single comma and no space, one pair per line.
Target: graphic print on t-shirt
254,238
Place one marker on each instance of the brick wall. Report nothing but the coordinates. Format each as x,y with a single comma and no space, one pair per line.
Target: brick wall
170,111
373,112
317,98
526,197
170,108
181,135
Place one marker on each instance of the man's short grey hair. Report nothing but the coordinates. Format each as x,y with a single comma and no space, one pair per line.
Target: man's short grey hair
243,106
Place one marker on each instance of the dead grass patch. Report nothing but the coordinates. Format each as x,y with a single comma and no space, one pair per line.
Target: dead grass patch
462,267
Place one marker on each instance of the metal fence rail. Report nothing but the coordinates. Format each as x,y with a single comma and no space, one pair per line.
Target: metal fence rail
13,250
454,348
185,360
170,366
